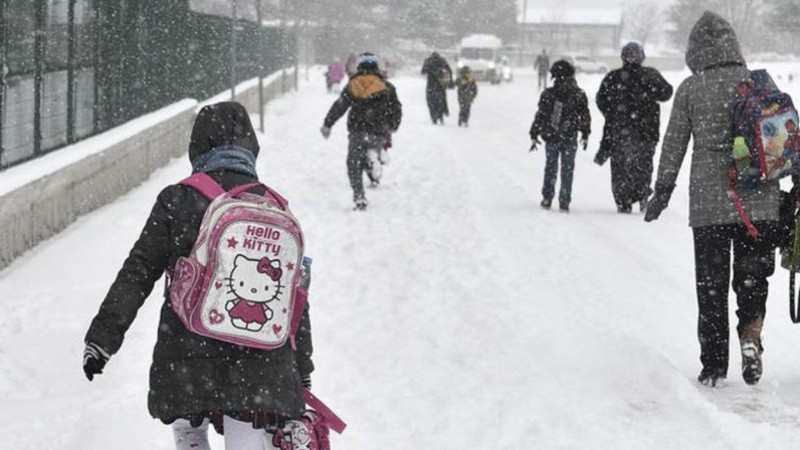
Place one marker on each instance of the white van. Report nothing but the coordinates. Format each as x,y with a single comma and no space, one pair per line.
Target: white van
482,53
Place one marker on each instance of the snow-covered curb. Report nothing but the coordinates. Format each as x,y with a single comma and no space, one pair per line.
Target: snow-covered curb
43,196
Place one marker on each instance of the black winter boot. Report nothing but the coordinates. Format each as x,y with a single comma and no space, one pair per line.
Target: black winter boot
711,377
750,341
751,362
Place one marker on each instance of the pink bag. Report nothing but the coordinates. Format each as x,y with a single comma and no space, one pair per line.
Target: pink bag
240,283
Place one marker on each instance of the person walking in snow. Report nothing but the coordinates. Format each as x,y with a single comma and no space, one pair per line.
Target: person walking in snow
467,91
628,98
563,113
440,78
542,66
334,75
195,380
375,111
703,111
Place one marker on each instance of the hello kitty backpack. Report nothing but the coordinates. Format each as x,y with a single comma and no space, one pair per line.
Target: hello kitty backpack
240,283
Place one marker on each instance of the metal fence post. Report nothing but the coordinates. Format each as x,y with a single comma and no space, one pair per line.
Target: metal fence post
233,50
261,49
71,72
38,70
3,72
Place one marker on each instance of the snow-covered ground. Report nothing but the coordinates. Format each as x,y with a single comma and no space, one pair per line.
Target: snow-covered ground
455,313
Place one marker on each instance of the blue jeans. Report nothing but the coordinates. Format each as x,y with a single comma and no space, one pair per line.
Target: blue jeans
567,152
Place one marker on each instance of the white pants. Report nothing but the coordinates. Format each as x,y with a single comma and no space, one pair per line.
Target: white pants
238,436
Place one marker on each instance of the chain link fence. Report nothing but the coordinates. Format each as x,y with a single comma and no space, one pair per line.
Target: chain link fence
74,68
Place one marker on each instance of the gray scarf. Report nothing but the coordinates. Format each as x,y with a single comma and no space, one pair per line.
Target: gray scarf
228,157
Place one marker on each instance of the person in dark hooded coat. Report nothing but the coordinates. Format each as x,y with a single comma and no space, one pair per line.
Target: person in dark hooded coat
375,113
703,112
563,113
195,380
628,98
440,78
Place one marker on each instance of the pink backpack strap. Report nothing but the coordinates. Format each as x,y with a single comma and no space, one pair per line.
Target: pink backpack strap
331,419
278,198
204,184
207,186
737,202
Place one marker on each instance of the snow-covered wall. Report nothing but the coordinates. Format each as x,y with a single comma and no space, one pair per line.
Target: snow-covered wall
42,197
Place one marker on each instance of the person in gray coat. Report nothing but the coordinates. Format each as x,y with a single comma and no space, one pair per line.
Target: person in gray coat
703,110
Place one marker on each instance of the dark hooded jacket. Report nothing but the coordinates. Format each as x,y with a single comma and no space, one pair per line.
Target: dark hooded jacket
439,79
628,98
192,376
703,111
373,104
438,72
563,113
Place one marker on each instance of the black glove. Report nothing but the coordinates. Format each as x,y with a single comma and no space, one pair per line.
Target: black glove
534,144
94,359
584,142
658,202
307,381
795,191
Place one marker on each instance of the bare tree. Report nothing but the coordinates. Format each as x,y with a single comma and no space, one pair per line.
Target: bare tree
746,17
641,20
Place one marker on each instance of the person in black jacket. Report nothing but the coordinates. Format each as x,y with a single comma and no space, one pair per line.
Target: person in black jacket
628,98
440,78
563,113
375,112
195,380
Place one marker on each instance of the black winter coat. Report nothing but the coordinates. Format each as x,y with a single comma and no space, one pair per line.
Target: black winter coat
628,98
191,375
373,103
563,112
467,89
439,74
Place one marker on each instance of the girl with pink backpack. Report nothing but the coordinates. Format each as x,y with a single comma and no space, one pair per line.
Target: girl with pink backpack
201,379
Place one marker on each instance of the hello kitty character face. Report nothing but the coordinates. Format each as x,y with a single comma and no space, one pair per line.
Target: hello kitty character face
256,280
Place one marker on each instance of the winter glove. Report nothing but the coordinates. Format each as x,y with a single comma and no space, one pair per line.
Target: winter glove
795,191
307,381
387,144
598,160
534,144
584,142
658,202
94,360
326,131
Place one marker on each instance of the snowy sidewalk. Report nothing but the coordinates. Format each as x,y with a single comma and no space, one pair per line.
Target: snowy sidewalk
455,313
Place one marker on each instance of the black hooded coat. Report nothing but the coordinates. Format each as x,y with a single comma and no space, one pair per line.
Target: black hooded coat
440,77
628,98
192,376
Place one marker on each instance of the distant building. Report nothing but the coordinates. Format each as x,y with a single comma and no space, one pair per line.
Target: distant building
586,30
